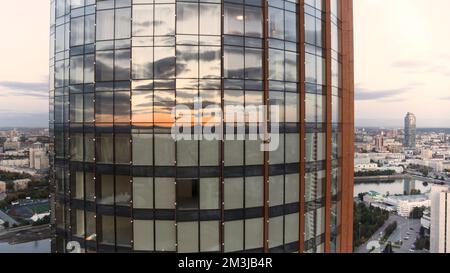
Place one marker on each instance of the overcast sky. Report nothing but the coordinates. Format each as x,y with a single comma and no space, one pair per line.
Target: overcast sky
402,62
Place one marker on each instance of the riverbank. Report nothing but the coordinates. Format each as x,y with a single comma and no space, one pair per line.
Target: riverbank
380,178
384,178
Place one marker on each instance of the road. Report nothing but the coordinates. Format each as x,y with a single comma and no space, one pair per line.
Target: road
407,231
404,227
25,234
377,235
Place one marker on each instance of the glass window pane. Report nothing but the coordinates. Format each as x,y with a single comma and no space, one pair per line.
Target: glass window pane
292,148
142,149
165,149
234,236
234,62
123,23
276,64
234,193
76,70
143,235
209,193
253,64
291,228
187,237
142,63
76,147
254,230
106,189
210,19
107,230
104,107
89,61
164,193
187,61
164,63
143,192
188,194
77,188
77,31
104,146
123,190
276,23
253,21
78,225
276,232
187,18
254,192
122,65
89,29
292,188
122,107
209,236
90,187
234,19
276,190
104,66
209,62
165,236
124,231
76,108
142,20
105,24
187,153
165,19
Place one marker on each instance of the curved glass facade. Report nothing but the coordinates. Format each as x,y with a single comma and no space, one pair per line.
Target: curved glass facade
123,183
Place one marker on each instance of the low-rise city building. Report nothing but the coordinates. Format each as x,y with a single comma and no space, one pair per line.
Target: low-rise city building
21,184
406,203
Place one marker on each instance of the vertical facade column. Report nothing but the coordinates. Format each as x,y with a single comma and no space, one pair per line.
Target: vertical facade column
222,142
266,122
346,245
328,124
301,71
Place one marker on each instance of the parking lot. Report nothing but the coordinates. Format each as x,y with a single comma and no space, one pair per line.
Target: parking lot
407,231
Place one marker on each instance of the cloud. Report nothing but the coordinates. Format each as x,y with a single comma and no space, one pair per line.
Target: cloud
409,64
15,119
25,89
368,95
418,66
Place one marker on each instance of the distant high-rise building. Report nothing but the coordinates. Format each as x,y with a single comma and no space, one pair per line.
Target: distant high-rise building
410,131
440,219
379,143
123,183
39,158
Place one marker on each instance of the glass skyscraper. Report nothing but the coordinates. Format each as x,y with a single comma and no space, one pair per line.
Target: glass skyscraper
122,183
410,131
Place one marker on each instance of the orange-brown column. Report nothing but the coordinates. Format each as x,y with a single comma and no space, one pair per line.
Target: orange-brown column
346,245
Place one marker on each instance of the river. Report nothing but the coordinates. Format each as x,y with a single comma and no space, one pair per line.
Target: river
42,246
398,187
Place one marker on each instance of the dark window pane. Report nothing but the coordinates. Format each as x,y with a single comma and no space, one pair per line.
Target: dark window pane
188,194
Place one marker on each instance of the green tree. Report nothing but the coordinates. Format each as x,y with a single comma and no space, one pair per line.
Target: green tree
417,213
